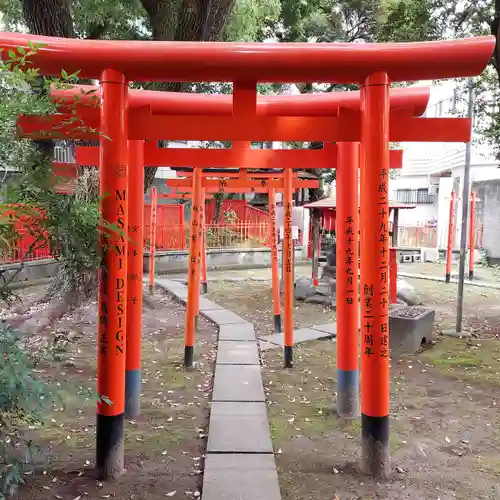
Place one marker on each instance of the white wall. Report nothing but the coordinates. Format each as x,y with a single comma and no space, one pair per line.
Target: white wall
422,212
443,217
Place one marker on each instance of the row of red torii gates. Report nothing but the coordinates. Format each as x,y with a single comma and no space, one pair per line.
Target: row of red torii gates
362,124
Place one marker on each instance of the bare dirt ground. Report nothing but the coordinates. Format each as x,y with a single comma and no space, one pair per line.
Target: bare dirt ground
445,442
164,447
481,306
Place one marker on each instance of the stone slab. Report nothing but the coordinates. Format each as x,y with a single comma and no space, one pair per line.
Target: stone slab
238,332
240,477
267,346
183,281
179,293
223,317
239,428
301,335
238,383
176,289
208,305
329,328
169,284
237,353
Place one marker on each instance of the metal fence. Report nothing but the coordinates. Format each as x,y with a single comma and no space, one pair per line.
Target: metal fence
240,234
172,237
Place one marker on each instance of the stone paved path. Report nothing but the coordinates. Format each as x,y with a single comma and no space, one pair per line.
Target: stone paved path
240,460
480,283
328,330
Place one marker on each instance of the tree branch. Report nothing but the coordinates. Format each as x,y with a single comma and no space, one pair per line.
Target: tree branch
96,31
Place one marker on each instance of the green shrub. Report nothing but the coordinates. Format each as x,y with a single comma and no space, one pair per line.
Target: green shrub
23,400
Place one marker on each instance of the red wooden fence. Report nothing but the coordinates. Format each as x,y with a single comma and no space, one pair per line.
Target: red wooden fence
170,227
32,242
236,206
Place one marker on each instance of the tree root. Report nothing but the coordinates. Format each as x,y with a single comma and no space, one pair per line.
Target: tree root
66,292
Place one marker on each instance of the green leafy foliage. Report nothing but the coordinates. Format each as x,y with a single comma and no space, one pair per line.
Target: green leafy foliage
251,20
407,20
67,224
23,400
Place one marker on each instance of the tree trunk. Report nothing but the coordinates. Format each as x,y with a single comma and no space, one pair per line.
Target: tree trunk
220,11
186,20
163,15
49,17
72,284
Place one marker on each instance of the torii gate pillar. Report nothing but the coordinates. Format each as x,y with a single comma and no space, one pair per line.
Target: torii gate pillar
374,213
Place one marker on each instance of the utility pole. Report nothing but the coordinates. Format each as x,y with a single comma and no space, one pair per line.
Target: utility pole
465,207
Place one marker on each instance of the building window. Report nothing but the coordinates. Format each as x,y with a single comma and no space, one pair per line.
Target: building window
415,196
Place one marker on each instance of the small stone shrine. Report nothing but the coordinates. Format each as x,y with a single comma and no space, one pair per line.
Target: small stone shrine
325,292
410,328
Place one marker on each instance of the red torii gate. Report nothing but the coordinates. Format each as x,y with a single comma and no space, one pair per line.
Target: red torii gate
415,102
371,65
348,384
224,185
90,155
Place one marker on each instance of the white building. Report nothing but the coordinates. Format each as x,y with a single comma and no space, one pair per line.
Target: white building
432,170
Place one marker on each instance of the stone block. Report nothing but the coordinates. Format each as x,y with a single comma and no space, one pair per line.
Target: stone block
223,317
173,287
305,334
320,299
329,328
237,332
181,295
208,305
406,293
266,346
237,353
303,289
183,281
240,476
409,328
324,289
301,335
238,383
239,428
